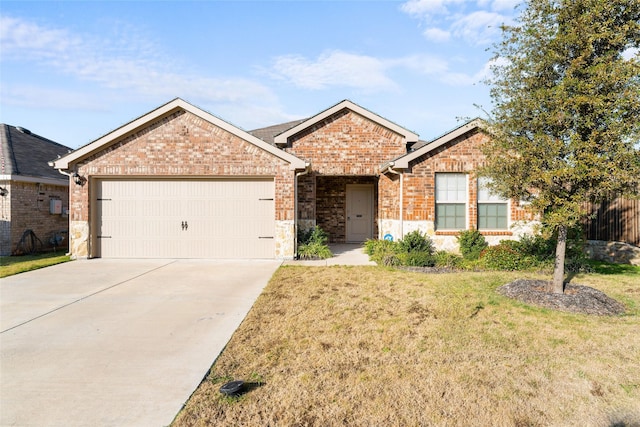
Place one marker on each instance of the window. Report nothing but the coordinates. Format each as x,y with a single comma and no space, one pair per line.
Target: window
492,209
451,201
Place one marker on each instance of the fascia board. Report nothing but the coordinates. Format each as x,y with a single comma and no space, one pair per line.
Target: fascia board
403,162
172,106
408,135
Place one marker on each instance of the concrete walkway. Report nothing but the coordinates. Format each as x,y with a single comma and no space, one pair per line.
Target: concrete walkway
117,342
344,254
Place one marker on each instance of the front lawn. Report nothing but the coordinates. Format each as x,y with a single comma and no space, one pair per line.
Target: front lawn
19,264
366,346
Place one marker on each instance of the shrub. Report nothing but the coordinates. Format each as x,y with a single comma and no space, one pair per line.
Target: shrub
384,252
417,259
505,257
448,259
416,242
472,243
312,244
312,235
314,250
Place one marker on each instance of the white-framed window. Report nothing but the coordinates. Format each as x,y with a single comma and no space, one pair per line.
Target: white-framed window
493,210
451,201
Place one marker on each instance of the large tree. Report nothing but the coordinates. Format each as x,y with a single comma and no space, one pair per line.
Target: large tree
565,122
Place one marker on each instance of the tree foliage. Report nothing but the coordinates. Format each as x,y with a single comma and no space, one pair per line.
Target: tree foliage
566,102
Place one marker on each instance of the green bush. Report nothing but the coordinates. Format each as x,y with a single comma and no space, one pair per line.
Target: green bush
384,252
312,244
448,259
416,242
312,235
314,250
417,259
472,243
505,257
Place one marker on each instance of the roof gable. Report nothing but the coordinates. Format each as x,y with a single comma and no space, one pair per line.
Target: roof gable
165,110
403,162
283,138
26,154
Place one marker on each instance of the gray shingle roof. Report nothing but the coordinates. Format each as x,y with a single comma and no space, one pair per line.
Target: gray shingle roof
269,133
27,154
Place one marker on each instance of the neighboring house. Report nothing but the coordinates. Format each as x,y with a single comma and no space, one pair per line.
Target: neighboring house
179,182
33,195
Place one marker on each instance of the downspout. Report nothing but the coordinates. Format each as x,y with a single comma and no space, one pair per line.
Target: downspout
307,169
389,168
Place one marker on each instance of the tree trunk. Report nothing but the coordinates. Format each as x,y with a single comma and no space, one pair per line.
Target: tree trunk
557,285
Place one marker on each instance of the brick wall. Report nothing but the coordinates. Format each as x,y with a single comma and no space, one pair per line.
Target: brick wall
345,148
29,210
462,155
347,143
183,144
180,145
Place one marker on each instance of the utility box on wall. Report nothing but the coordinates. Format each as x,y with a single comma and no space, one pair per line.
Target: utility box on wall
55,206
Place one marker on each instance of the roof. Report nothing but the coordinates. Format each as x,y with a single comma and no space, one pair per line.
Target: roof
282,138
25,154
163,111
403,162
267,134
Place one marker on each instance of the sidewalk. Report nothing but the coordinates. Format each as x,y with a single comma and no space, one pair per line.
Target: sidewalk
344,254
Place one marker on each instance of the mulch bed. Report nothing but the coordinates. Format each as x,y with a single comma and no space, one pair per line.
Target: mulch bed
575,299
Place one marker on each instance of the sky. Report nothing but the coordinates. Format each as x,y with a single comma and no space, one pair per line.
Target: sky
72,71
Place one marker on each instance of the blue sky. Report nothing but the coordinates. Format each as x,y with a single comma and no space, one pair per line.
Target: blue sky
72,71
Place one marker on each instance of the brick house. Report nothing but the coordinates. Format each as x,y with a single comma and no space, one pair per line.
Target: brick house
180,182
33,196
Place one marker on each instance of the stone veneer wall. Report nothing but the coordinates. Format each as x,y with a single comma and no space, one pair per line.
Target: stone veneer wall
615,252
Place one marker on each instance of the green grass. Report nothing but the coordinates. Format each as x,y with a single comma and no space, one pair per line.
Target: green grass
623,269
19,264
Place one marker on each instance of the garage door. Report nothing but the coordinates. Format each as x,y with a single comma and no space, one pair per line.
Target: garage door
155,218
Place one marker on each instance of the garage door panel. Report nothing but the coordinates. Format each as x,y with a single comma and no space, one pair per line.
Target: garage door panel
225,218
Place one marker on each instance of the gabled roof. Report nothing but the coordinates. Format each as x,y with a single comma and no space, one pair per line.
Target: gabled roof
403,162
25,154
409,136
165,110
267,134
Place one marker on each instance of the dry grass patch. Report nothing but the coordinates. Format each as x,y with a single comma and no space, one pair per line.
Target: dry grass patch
365,346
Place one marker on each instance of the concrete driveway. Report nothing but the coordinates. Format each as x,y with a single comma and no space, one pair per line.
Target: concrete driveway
117,342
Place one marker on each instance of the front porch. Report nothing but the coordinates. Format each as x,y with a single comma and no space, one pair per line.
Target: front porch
345,207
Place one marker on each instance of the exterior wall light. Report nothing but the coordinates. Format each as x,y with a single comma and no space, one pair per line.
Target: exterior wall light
78,179
4,191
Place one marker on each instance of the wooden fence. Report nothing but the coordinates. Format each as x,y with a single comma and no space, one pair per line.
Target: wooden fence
617,221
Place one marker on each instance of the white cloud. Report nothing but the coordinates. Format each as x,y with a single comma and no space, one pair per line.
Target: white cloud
425,8
334,68
370,74
476,22
437,35
479,27
127,63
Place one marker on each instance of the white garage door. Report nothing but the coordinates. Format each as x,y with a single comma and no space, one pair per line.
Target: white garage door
157,218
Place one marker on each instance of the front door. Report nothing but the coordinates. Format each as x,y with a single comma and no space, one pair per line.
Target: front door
359,212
